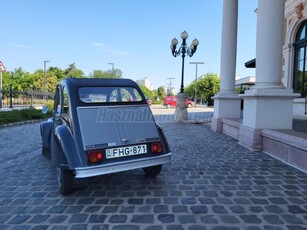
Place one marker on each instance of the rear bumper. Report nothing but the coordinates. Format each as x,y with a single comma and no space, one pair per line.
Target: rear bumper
84,172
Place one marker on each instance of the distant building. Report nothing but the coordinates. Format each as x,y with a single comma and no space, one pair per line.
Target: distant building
245,83
145,82
170,91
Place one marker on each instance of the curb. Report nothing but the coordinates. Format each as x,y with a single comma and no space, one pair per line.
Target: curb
21,123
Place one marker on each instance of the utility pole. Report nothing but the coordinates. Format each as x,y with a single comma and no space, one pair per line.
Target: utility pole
113,74
196,63
45,82
170,84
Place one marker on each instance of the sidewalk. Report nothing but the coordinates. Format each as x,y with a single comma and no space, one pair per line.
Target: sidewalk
211,183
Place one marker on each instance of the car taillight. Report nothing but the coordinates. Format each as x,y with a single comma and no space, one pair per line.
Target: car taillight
156,147
94,156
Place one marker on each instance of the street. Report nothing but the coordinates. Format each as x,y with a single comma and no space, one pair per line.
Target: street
211,183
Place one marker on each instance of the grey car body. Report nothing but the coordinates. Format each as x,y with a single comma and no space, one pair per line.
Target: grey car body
102,126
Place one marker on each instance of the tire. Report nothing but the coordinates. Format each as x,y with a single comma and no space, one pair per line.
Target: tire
168,106
153,170
65,180
189,105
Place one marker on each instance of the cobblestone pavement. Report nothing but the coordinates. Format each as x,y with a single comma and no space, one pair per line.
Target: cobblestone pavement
211,183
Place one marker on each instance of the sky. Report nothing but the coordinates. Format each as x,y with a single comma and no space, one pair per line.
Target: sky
135,35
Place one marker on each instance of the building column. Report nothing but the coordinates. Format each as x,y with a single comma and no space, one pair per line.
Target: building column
227,102
267,105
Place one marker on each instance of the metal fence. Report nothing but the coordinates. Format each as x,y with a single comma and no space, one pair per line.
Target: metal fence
14,98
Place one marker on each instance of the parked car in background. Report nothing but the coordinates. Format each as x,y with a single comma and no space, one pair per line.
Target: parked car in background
102,126
171,101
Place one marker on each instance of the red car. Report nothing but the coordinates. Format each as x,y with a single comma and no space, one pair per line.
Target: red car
172,101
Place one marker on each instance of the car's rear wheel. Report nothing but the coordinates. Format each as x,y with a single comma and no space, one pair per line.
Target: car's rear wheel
189,105
65,180
153,170
168,106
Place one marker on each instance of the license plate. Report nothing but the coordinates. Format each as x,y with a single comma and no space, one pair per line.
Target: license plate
126,151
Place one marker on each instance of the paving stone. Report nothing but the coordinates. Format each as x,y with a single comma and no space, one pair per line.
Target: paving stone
250,219
161,209
142,219
171,200
175,227
74,209
144,208
179,209
224,228
39,219
219,209
296,209
78,218
38,227
97,218
186,219
256,209
273,209
197,227
126,227
228,219
154,228
153,201
110,209
272,219
199,209
291,219
78,227
57,209
57,219
166,218
19,219
118,219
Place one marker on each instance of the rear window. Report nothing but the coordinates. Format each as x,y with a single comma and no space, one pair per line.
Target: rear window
109,94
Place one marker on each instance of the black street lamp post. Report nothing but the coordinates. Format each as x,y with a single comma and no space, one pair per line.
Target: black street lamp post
183,50
181,112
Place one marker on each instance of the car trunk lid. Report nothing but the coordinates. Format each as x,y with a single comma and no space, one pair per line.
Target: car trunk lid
111,126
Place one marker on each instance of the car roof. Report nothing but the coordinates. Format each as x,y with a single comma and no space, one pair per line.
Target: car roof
73,85
82,82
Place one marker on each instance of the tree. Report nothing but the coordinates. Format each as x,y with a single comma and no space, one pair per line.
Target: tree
59,73
148,93
207,86
116,73
38,81
161,92
72,71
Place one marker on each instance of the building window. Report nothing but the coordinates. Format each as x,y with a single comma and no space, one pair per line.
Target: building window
300,69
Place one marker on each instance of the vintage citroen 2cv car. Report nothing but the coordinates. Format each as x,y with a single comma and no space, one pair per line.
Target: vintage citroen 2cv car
102,126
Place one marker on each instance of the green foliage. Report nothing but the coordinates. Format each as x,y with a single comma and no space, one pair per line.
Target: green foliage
22,115
207,86
49,104
148,93
161,92
116,73
24,82
72,71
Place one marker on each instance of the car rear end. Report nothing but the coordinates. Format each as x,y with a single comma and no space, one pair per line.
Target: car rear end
119,136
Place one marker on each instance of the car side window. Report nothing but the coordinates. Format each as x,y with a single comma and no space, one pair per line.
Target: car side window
65,101
57,102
